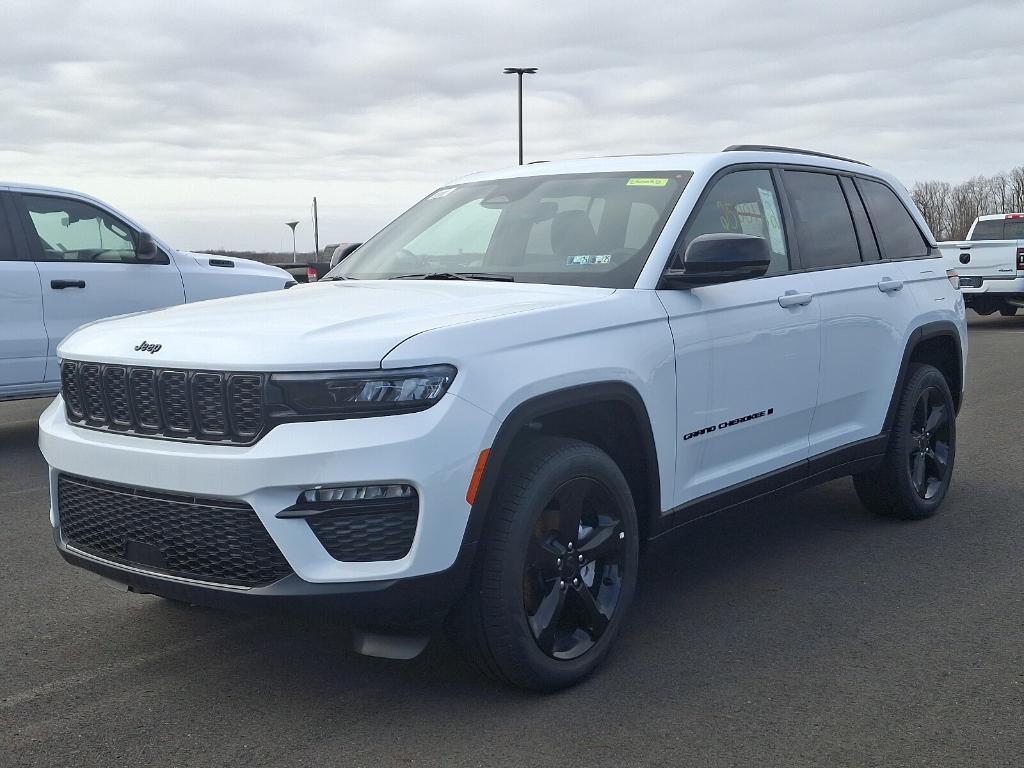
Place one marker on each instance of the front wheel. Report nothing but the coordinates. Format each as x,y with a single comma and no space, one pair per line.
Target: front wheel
918,466
557,568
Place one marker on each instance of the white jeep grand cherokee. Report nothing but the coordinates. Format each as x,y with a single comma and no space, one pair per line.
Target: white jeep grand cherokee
488,413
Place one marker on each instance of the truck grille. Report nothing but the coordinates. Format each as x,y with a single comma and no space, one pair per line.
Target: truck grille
221,542
206,406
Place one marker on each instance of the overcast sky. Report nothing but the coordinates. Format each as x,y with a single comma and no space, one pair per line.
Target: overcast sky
215,122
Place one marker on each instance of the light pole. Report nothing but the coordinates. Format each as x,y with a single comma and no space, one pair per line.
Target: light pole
293,225
520,71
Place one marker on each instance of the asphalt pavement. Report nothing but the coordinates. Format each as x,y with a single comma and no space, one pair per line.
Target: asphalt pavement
798,632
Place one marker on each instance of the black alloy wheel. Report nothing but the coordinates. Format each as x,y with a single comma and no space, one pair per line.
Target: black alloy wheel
929,443
574,568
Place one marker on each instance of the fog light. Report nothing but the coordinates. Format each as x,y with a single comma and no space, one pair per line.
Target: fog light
356,493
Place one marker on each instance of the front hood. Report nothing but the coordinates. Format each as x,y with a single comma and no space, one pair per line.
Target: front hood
337,324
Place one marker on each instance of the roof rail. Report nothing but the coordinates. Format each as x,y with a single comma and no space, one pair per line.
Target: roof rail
770,148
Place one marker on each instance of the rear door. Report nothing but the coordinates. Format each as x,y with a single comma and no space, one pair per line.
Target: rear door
22,333
865,311
88,267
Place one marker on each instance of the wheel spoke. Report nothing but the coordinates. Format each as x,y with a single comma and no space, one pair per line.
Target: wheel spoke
544,551
594,618
917,473
570,498
920,417
940,456
544,622
602,541
937,417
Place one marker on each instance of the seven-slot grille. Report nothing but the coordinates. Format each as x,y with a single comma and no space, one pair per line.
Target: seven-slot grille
210,540
208,406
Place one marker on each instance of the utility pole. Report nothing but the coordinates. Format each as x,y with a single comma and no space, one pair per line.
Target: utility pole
520,71
293,225
316,233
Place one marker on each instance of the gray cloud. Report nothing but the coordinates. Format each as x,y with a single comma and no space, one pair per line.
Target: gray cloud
216,121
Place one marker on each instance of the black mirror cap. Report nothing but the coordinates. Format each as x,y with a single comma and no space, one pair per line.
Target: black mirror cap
146,250
720,257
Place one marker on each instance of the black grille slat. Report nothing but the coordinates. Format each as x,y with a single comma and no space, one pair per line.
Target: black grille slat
368,532
115,388
208,403
69,388
174,401
207,406
144,398
210,540
246,396
91,383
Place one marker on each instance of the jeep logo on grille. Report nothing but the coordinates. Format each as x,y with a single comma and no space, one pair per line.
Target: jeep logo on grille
147,347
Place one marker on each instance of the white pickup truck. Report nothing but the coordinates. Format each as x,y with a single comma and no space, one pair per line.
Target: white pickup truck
990,263
67,259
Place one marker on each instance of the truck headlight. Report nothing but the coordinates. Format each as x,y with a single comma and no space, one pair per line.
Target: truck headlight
357,394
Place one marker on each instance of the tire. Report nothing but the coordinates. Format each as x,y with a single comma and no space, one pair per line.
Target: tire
918,466
1008,311
534,616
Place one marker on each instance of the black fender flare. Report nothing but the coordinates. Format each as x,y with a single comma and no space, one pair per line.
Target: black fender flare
536,408
939,328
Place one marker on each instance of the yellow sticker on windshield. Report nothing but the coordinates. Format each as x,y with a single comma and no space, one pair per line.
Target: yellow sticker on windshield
647,182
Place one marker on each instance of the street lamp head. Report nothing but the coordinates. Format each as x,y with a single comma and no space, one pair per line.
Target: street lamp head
292,224
520,70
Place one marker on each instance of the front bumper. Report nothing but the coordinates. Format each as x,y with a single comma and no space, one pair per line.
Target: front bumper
434,450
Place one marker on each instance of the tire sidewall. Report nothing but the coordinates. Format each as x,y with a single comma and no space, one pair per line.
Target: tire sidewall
584,461
922,378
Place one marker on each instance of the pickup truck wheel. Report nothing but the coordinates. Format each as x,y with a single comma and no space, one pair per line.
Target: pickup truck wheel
918,466
1008,311
557,568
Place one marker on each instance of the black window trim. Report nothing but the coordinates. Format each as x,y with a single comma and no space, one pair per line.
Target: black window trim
31,236
864,228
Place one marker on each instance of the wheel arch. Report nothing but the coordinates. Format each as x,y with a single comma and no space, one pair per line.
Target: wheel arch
936,343
571,412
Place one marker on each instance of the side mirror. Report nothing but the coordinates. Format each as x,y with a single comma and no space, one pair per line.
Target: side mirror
720,257
146,249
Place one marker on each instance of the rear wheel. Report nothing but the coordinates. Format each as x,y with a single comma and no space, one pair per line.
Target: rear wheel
1008,310
557,569
918,466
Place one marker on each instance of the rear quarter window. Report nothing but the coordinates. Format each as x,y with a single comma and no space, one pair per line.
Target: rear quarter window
898,235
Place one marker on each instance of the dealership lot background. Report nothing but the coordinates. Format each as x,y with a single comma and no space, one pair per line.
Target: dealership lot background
797,632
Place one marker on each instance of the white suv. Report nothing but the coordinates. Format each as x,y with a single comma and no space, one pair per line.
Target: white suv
487,413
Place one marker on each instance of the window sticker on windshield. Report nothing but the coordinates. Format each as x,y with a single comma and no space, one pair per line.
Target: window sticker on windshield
588,258
647,182
444,192
773,220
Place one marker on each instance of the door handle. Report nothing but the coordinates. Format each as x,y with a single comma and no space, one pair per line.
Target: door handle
795,299
62,284
888,285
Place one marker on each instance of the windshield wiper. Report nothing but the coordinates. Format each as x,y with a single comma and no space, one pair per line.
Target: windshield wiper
497,276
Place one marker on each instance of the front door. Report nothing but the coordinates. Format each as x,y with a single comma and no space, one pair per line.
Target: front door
22,333
89,269
747,352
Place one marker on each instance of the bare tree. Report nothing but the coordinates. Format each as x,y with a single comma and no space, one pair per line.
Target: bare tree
932,197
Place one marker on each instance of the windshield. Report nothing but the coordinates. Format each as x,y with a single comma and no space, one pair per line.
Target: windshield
581,229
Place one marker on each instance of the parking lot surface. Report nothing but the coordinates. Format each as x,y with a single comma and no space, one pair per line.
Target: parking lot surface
802,631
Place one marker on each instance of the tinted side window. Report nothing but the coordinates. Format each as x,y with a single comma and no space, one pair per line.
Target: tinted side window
70,230
897,233
744,202
6,243
824,226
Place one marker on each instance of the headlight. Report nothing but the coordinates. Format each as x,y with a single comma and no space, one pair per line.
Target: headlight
355,394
